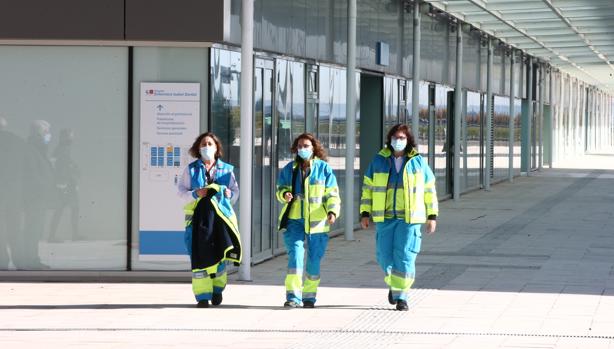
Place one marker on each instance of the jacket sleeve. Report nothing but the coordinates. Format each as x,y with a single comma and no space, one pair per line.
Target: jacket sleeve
331,197
430,194
284,184
366,199
184,186
234,189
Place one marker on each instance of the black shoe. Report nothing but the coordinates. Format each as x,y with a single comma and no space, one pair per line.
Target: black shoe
203,304
291,304
390,299
308,304
217,299
402,305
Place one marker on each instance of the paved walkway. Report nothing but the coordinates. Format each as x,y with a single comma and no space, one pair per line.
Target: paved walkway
525,265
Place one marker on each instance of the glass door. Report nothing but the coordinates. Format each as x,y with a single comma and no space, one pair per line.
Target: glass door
263,171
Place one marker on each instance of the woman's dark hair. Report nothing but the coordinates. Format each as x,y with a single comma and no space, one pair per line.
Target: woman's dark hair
318,150
411,141
195,148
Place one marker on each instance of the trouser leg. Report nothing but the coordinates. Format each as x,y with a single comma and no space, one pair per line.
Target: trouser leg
407,242
316,248
220,279
294,238
202,283
384,239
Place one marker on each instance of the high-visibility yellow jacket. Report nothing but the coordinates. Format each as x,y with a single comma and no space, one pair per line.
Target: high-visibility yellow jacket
418,192
319,197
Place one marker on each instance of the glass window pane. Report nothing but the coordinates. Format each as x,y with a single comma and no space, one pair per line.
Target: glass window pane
472,136
65,190
501,137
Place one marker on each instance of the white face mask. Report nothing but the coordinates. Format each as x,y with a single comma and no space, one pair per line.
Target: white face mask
208,153
47,138
398,144
305,153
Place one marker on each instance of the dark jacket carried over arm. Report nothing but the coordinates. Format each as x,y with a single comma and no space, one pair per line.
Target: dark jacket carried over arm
215,234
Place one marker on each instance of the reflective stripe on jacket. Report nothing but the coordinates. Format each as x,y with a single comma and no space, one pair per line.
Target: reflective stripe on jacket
320,195
419,194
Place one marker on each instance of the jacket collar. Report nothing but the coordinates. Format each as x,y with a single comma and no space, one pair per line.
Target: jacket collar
386,152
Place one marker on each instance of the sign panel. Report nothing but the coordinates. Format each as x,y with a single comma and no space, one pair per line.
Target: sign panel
170,114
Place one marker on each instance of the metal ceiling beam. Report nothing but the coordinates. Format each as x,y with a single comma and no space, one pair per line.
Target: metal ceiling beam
509,6
581,35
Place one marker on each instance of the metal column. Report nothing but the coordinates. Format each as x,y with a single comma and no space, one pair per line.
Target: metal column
350,130
552,116
415,83
510,170
528,153
245,156
458,111
488,161
540,120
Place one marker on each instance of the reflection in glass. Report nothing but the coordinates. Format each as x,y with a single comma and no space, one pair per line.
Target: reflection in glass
391,104
67,175
423,112
290,107
471,139
262,192
501,137
225,104
55,197
517,135
441,134
332,122
257,199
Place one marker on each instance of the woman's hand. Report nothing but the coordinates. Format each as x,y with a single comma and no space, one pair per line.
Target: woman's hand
288,196
228,193
201,192
331,218
364,222
431,225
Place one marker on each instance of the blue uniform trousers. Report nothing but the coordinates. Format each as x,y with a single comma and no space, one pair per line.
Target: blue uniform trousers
397,245
294,240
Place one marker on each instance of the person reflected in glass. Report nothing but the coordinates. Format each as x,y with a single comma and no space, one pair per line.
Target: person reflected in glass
12,160
199,181
308,189
38,195
67,176
399,194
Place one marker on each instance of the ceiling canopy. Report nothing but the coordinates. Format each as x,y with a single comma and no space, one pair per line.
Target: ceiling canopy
576,36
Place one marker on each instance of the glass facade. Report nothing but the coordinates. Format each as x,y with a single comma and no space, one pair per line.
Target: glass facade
471,142
225,114
63,199
290,111
517,135
440,129
392,110
424,111
332,121
501,138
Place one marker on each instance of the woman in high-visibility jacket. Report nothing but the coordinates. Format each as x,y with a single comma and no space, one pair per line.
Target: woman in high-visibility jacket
399,194
207,169
308,188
